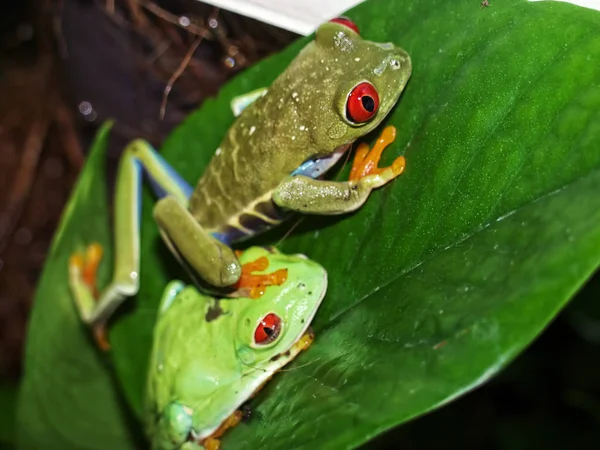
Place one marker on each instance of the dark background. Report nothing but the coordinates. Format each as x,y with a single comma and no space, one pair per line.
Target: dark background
66,66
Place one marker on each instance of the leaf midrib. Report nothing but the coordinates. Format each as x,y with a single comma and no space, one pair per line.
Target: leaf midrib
443,89
439,250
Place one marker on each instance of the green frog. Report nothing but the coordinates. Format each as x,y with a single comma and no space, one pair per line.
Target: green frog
211,355
270,164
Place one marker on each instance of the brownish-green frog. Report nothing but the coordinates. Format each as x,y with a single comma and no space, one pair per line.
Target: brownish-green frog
269,164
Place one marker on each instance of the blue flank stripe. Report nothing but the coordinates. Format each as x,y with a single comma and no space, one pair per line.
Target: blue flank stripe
222,237
308,168
138,200
159,191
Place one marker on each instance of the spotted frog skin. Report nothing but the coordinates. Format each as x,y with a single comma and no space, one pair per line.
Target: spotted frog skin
270,164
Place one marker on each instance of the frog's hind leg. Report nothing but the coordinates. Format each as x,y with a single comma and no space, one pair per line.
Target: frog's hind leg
95,307
241,102
82,275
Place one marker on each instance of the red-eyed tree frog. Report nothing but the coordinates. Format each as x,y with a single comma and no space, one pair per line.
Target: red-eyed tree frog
210,356
269,164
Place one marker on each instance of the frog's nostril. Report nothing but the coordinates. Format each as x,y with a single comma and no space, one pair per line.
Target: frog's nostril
405,62
395,64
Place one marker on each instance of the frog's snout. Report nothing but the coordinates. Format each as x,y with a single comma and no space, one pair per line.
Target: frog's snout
405,62
396,63
402,56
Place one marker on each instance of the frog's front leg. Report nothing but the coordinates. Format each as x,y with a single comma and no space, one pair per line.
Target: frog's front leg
304,194
213,260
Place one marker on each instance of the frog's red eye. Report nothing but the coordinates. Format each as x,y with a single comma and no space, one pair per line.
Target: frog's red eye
346,22
362,103
268,329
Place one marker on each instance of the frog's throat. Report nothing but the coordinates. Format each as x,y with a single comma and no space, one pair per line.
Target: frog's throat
276,363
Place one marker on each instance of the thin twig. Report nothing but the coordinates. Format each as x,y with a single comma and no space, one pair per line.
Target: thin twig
288,232
173,33
9,121
61,43
139,19
174,19
159,51
177,74
68,136
24,179
110,7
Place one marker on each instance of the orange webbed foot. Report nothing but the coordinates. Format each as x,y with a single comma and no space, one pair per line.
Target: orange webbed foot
213,442
366,161
305,341
101,338
256,284
86,266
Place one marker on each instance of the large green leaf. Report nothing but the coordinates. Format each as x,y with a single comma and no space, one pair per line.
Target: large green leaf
435,285
68,397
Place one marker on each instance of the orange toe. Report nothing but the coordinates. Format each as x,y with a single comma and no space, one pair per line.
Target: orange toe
366,161
256,284
93,256
100,337
212,442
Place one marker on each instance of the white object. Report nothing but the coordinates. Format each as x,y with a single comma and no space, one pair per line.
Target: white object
300,16
592,4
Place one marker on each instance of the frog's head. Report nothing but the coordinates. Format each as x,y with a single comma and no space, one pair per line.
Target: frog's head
354,82
270,326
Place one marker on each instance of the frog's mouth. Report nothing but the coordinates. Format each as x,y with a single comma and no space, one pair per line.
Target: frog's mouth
302,343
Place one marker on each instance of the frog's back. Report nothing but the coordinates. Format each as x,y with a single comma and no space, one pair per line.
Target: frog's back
253,158
268,141
303,116
193,353
177,332
188,354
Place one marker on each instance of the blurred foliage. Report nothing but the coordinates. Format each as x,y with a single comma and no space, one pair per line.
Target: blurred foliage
8,416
